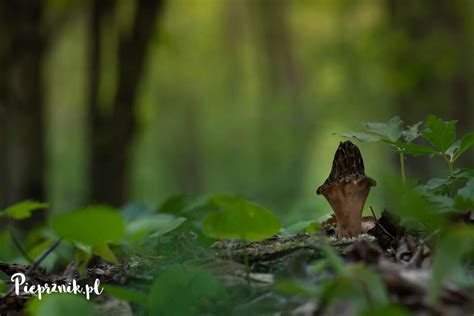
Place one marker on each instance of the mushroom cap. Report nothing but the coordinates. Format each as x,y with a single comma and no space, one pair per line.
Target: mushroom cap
347,167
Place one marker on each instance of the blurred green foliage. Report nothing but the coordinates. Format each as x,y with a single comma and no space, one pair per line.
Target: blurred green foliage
227,106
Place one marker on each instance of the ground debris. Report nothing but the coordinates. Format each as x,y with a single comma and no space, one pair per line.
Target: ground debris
401,260
107,274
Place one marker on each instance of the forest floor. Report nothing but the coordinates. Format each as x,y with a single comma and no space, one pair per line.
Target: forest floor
402,261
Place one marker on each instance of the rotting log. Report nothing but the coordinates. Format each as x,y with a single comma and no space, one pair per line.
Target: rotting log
277,253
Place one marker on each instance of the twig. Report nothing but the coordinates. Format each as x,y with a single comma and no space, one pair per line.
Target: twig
380,225
35,264
20,248
43,256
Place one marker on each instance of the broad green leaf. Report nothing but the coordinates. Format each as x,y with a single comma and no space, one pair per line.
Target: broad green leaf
23,209
180,290
93,225
125,294
60,304
453,245
236,218
156,224
465,197
391,130
442,134
415,150
466,142
105,253
359,136
412,132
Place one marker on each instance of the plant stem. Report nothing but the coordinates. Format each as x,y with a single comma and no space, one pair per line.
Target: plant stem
402,167
450,165
20,248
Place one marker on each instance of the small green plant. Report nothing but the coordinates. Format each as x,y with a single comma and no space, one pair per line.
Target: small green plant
439,138
240,219
429,203
440,134
173,242
23,209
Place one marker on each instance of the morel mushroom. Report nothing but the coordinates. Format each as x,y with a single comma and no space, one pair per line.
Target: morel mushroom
347,188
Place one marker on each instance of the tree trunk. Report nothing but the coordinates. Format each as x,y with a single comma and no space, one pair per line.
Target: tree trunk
282,103
21,101
112,135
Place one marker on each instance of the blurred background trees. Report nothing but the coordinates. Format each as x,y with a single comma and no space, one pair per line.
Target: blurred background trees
22,140
113,100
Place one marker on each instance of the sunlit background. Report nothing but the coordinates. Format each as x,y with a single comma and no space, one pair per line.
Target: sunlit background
240,97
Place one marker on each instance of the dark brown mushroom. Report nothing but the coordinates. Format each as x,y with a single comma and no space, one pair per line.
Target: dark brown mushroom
347,188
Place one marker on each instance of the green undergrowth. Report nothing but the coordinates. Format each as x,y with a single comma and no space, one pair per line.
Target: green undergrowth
169,246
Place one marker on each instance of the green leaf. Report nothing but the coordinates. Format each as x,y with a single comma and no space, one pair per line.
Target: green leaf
437,183
59,305
297,287
334,260
465,196
419,207
105,253
359,136
156,224
443,203
391,130
448,257
411,133
183,204
82,254
23,209
303,226
415,150
125,294
466,142
386,310
3,287
180,290
93,225
375,287
236,218
464,173
440,133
